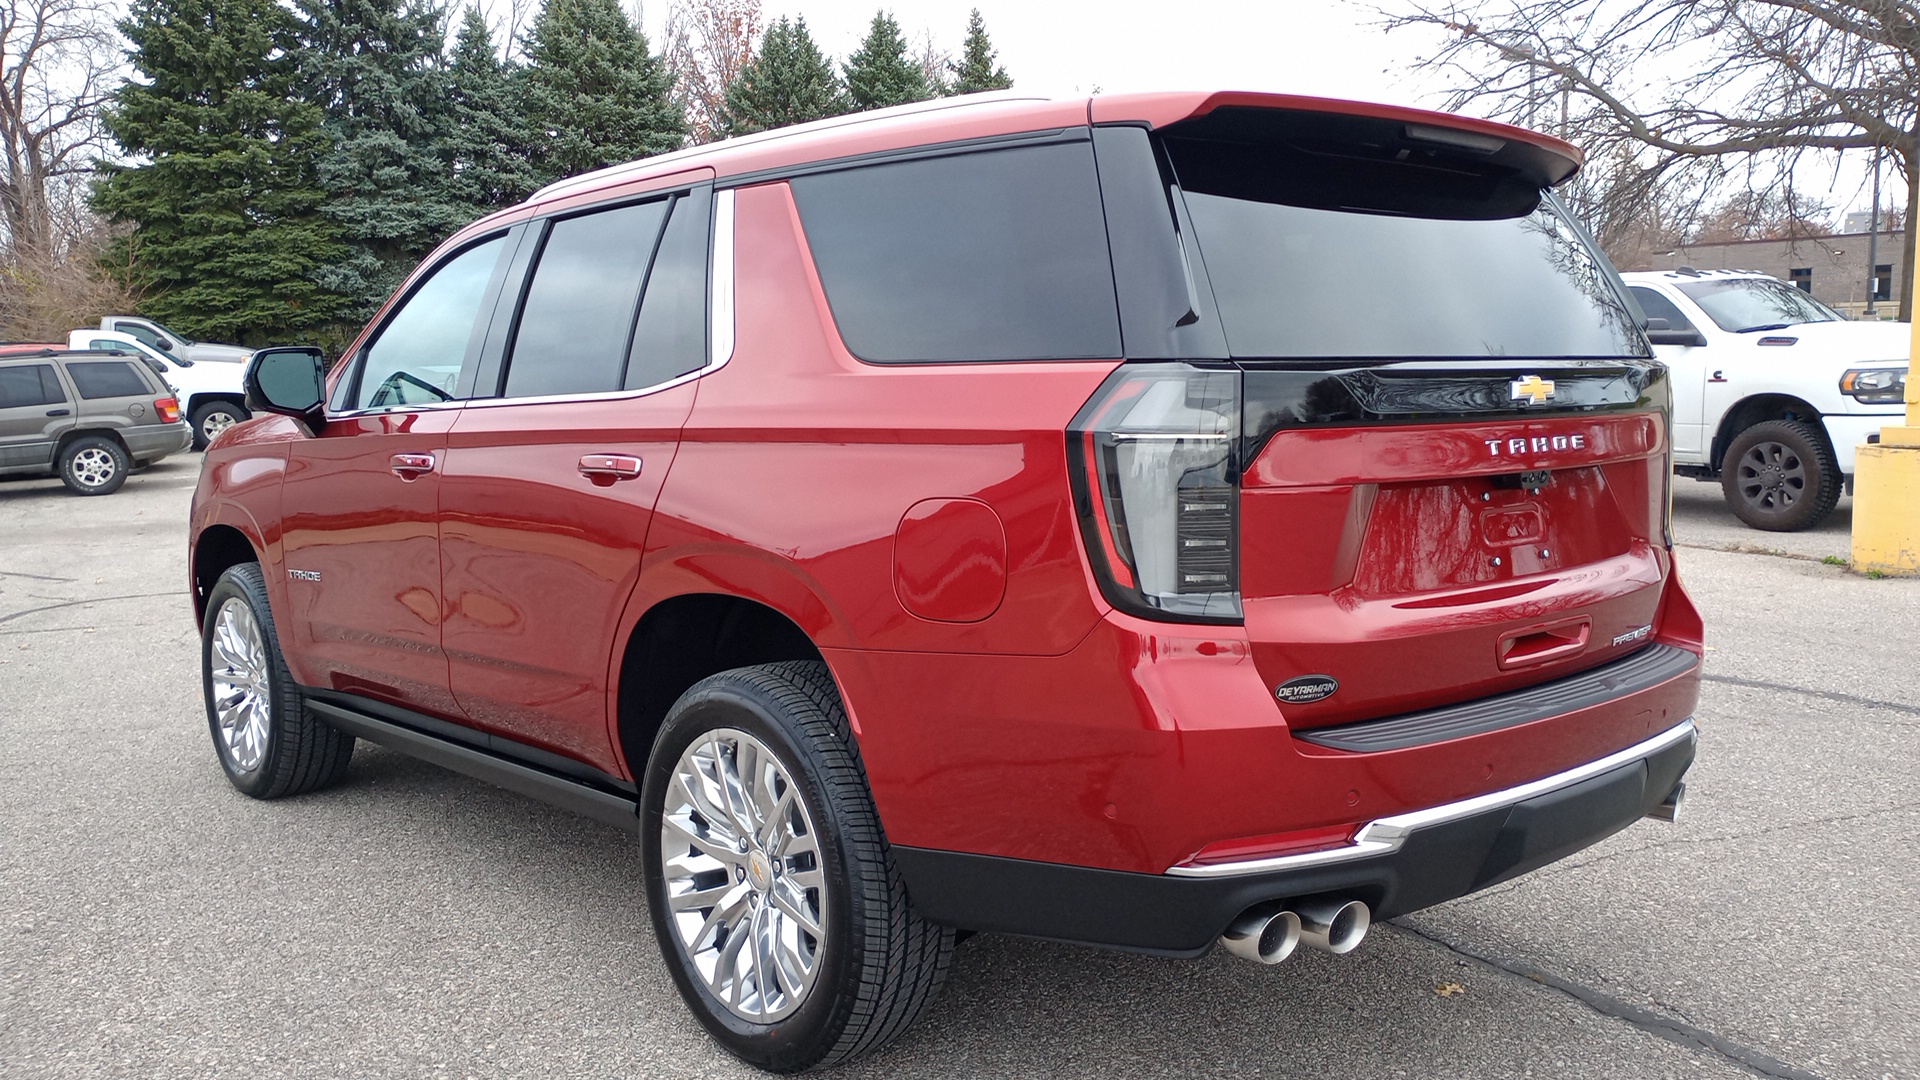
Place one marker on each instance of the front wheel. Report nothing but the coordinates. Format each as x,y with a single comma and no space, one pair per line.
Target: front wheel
781,916
1779,475
269,744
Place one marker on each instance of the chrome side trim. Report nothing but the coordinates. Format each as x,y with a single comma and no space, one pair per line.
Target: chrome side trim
1382,836
720,290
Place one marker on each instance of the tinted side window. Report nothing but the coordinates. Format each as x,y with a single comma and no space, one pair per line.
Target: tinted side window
1658,306
670,339
577,322
107,379
998,255
29,384
416,360
138,331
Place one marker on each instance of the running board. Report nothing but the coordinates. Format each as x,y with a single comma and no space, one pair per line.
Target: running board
558,791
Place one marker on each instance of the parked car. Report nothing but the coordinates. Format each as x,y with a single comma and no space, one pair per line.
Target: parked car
89,418
1772,390
987,515
178,345
211,393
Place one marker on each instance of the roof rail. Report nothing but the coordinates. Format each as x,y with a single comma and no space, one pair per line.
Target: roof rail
694,153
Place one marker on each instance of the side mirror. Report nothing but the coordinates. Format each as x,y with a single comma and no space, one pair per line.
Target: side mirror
1655,322
291,382
163,345
1664,336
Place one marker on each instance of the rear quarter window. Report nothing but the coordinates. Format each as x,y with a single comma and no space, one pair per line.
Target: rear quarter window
990,255
107,379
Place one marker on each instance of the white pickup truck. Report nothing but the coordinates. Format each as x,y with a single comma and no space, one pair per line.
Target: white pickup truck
210,391
155,336
1772,390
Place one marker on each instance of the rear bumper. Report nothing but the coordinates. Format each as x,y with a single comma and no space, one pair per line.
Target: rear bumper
1396,864
152,442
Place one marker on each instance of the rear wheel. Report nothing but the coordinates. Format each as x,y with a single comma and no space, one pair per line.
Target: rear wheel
269,744
214,417
1779,475
778,909
94,465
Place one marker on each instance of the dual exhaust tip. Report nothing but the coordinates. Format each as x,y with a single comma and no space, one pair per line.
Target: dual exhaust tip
1268,935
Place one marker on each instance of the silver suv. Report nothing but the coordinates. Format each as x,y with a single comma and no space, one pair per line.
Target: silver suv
89,418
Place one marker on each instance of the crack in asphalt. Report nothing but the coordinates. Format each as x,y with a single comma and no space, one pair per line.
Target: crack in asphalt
36,577
1674,1031
88,600
1830,695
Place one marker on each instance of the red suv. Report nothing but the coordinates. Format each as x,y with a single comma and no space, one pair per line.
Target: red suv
1143,521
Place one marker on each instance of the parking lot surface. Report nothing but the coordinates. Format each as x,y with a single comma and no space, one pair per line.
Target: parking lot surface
414,923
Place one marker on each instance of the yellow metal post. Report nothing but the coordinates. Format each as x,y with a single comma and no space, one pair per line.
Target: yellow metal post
1886,489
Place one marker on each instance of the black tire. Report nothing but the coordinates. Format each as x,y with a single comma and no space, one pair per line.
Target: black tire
880,964
300,752
222,413
94,465
1779,475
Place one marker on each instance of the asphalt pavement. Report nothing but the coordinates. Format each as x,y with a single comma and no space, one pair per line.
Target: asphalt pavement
414,923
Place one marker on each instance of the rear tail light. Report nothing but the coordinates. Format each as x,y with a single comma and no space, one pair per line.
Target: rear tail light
1157,490
168,408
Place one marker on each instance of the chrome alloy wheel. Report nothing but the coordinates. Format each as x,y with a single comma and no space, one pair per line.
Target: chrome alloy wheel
741,863
214,423
242,696
93,467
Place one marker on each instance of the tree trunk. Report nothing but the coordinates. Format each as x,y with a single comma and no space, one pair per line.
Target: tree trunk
1906,239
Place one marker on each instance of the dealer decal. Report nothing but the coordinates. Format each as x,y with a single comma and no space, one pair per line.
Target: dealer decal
1306,688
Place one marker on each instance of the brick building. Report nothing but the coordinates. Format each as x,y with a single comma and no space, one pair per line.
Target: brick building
1833,268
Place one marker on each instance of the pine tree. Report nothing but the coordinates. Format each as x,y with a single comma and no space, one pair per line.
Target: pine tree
373,66
976,71
788,82
594,94
879,73
228,240
485,144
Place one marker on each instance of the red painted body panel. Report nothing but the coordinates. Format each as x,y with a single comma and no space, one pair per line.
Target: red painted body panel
538,560
799,462
371,624
950,560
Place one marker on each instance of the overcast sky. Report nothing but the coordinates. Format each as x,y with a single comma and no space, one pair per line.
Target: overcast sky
1325,47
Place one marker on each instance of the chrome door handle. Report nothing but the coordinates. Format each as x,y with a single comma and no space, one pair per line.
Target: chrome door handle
411,466
605,469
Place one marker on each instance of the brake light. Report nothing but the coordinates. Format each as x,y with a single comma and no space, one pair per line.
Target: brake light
168,408
1157,489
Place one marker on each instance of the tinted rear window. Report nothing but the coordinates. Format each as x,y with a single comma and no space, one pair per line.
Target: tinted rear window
997,255
577,323
29,384
670,339
1403,277
107,379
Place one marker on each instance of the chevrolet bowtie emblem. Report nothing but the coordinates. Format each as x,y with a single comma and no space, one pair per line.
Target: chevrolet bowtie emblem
1533,390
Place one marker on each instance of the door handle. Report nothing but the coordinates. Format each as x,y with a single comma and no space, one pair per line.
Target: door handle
59,412
411,466
605,469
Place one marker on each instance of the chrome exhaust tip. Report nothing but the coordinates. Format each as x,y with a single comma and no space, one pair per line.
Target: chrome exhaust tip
1669,808
1335,926
1265,937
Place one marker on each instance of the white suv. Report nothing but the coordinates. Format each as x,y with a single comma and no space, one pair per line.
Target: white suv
1772,390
